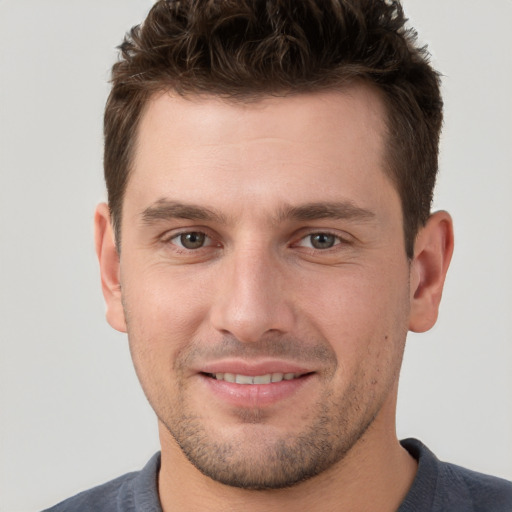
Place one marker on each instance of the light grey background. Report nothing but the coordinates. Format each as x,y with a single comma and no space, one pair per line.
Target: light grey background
72,413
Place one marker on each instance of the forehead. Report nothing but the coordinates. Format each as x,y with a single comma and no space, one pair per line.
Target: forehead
314,117
293,148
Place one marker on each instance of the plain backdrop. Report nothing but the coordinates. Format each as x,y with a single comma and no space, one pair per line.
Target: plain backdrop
72,412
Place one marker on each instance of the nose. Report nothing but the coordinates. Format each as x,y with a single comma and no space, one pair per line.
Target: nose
252,297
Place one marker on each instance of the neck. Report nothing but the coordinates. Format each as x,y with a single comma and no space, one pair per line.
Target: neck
375,475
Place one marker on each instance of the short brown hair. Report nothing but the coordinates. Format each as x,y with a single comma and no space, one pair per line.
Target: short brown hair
246,49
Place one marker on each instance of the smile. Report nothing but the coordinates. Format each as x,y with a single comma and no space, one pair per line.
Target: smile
255,387
268,378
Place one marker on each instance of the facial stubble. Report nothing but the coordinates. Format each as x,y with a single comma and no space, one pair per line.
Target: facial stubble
259,456
260,461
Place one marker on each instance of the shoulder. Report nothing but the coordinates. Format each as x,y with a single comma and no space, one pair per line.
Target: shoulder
440,486
127,493
484,492
101,498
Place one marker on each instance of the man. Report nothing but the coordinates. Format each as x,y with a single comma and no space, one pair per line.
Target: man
267,245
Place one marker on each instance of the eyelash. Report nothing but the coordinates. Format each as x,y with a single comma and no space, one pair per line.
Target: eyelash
338,240
181,248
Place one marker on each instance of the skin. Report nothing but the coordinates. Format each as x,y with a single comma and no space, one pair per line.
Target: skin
261,180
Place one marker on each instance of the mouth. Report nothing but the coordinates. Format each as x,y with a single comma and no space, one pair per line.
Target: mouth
253,384
267,378
255,388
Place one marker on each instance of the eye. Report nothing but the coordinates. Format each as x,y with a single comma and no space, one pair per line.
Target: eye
319,241
191,240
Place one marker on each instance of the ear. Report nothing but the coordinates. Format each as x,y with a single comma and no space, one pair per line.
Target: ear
433,250
108,258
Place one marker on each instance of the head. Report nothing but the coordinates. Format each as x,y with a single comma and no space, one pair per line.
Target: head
245,50
270,170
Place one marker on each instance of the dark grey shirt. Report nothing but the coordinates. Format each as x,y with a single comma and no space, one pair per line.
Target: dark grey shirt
438,487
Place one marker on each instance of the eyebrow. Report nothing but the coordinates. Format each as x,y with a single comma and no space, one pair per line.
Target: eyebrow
165,209
344,210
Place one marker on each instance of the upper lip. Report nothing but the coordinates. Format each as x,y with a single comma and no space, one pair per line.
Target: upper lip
240,367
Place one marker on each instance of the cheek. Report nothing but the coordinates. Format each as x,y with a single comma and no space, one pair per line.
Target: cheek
160,323
162,302
359,310
163,314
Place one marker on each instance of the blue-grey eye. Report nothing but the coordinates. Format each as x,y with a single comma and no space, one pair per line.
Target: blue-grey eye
192,240
322,240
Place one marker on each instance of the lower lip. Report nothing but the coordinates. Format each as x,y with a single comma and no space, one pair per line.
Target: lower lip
255,395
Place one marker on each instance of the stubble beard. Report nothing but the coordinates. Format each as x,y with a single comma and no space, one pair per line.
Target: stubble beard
256,455
259,460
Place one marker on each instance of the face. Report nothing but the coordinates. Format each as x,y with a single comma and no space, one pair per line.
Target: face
264,280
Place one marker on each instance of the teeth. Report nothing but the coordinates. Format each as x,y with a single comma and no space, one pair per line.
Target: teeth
256,379
262,379
244,379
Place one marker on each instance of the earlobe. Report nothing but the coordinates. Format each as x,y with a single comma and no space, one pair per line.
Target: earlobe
108,258
432,254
